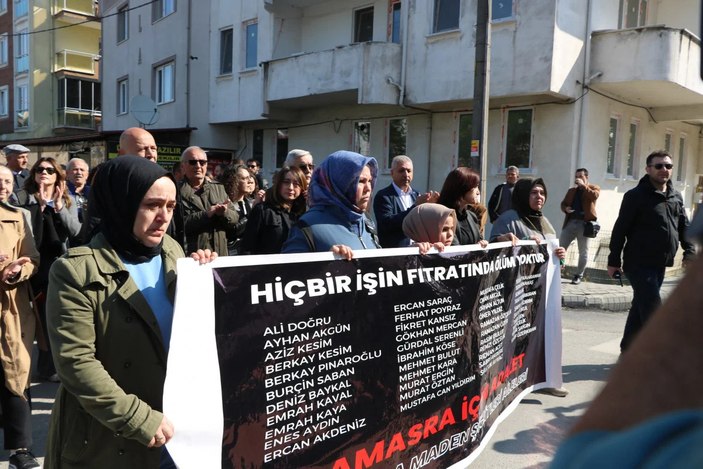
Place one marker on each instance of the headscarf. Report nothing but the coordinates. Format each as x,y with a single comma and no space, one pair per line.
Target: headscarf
118,190
334,182
521,204
424,223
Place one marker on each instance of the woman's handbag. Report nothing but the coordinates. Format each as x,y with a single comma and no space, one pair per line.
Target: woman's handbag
591,229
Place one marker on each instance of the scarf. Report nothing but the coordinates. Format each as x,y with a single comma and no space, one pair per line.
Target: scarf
521,203
424,223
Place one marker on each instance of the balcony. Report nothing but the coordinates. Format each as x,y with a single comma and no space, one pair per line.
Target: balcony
79,118
74,61
655,67
77,12
352,74
21,64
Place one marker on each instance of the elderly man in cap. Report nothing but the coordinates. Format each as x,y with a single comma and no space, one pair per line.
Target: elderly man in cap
17,160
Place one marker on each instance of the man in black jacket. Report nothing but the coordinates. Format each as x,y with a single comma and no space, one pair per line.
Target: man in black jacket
651,224
501,198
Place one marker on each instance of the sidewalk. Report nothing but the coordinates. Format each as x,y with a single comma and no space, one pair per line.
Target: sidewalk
608,296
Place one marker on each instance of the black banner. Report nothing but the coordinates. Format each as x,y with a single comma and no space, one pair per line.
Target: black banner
401,361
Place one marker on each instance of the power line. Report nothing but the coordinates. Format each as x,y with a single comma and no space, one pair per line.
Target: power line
80,23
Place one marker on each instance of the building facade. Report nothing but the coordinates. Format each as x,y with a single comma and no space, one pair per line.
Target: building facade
50,92
573,83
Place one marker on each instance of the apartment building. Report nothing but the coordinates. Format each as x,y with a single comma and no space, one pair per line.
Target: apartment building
50,94
573,83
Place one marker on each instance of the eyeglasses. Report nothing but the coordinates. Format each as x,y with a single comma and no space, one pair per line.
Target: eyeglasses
197,162
661,165
46,169
306,167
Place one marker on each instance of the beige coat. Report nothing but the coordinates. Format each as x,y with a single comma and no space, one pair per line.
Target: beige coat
18,319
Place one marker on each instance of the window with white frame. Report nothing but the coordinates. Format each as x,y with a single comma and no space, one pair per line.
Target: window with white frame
501,9
3,6
161,8
164,83
681,160
21,8
251,39
4,101
446,15
22,51
518,140
633,13
226,41
632,149
611,154
123,23
4,57
21,106
394,21
123,96
397,137
668,139
362,137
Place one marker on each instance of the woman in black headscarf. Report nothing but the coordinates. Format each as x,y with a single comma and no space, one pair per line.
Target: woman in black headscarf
110,310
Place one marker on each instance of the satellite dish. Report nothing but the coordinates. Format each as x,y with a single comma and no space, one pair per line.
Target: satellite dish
144,110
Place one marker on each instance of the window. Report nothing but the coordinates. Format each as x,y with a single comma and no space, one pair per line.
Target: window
281,146
611,155
21,106
633,13
3,6
519,138
4,101
446,15
161,8
681,160
22,52
123,96
79,103
501,9
226,36
21,8
363,25
164,83
257,145
668,138
123,24
465,129
394,27
4,58
250,44
362,137
397,133
632,149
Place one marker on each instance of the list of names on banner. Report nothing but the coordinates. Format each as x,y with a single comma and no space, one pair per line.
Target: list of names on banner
426,342
308,388
492,317
524,297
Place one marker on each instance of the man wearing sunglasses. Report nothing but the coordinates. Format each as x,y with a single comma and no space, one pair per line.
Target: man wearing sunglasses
255,167
207,212
301,159
651,224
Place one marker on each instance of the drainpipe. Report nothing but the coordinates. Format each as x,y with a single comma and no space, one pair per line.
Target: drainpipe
586,72
189,54
404,22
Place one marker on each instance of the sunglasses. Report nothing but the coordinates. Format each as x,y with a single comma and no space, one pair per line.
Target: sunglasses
198,162
46,169
662,165
308,167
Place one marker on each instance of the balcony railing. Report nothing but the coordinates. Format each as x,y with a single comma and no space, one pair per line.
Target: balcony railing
22,64
81,7
75,61
83,118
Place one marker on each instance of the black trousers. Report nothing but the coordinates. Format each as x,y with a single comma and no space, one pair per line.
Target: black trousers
16,416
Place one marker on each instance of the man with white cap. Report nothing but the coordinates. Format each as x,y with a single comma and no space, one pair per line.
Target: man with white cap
17,160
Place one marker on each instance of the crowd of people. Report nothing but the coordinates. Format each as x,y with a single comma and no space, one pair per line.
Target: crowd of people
77,247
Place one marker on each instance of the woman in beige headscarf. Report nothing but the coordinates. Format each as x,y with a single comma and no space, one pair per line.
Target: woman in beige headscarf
18,261
430,226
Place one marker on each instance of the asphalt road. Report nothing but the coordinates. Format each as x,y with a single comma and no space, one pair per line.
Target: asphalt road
529,436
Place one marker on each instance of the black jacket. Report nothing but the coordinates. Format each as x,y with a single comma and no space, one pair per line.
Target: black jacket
650,226
266,230
494,202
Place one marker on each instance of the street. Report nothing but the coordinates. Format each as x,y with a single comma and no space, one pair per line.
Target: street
529,436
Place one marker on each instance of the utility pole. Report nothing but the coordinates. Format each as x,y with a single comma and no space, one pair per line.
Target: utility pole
482,74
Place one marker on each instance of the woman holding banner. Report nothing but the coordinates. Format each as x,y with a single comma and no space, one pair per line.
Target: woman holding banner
110,310
340,192
459,191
